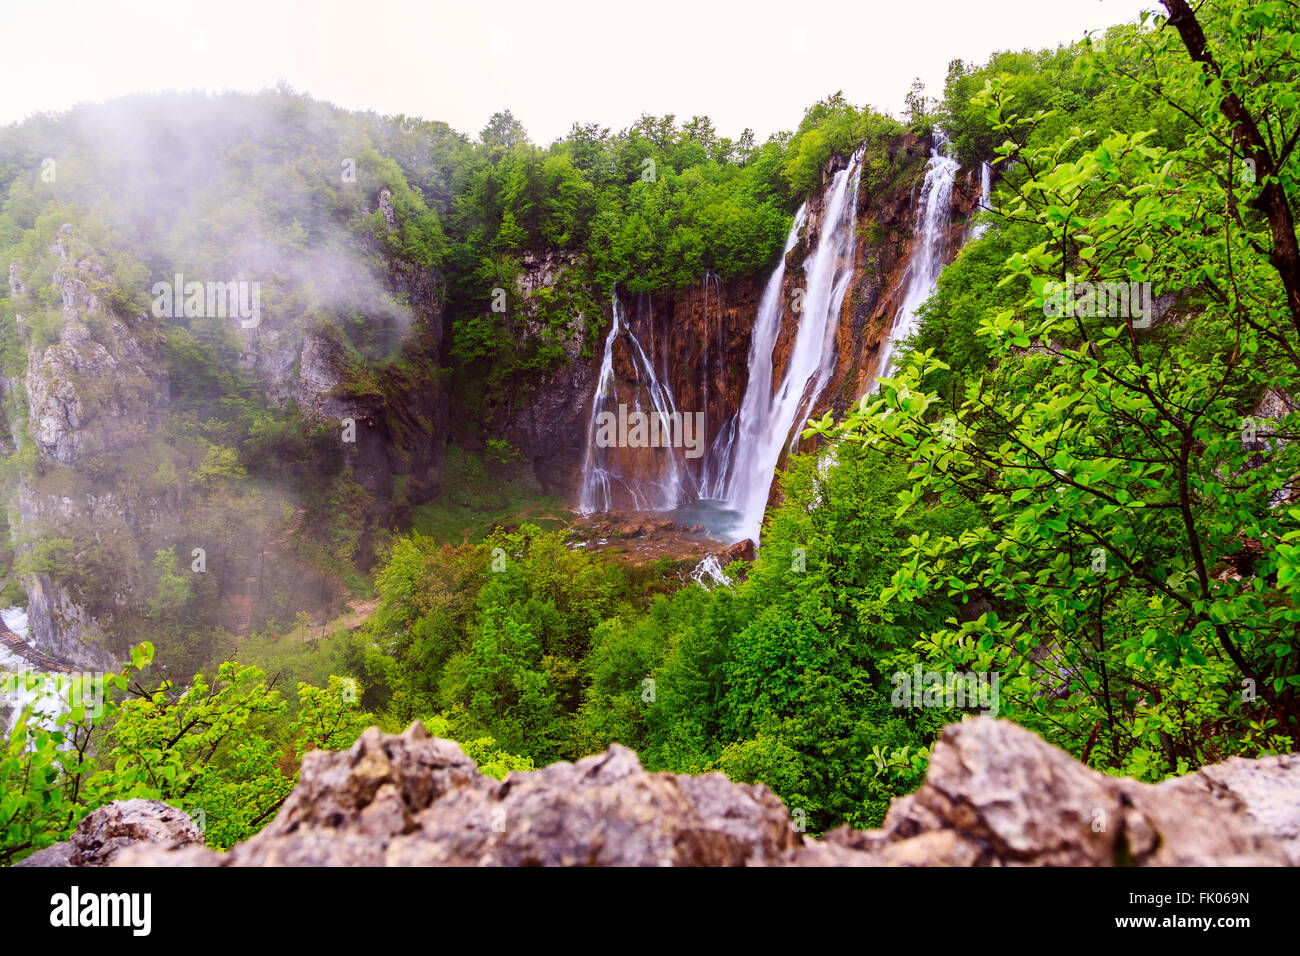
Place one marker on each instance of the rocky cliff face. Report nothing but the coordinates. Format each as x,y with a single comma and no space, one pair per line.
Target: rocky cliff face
95,395
549,424
995,795
92,408
401,425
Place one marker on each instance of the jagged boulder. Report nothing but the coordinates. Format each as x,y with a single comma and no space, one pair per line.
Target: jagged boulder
107,831
995,794
603,810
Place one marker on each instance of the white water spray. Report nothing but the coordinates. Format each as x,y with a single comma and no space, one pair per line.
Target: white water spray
601,478
986,200
770,421
930,252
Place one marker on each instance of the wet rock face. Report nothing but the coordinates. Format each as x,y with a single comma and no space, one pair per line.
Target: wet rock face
995,795
697,342
696,339
550,426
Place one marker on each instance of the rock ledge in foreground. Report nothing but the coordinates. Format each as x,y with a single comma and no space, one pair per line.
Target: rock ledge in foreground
995,794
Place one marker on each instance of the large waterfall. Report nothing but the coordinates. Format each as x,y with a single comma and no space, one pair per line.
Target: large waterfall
728,489
770,420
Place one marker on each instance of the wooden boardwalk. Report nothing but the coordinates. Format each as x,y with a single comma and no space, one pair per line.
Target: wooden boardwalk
38,659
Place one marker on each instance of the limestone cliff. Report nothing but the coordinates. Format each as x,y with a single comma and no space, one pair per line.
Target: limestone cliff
106,471
92,393
93,397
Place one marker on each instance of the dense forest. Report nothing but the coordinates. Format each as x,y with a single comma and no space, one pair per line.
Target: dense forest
1099,512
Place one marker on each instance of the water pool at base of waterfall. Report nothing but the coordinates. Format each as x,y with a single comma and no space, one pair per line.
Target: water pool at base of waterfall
717,519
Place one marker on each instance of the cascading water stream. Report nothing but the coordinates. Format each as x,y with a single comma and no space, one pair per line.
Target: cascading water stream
595,493
933,219
601,478
768,417
986,200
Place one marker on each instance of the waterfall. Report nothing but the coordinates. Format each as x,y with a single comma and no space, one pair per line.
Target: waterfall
729,488
602,477
929,253
708,573
770,421
21,683
986,200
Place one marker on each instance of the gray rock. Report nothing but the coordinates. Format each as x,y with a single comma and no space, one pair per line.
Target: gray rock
60,854
100,838
995,795
604,810
107,831
1266,792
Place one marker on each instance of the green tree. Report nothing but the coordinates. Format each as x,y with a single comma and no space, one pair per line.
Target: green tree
1134,565
172,588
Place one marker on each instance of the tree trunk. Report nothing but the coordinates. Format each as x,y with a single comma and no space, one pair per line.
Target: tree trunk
1272,201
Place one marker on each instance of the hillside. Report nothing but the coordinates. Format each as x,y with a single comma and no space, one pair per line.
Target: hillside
764,459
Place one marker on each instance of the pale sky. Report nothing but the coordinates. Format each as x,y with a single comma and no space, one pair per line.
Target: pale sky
551,62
